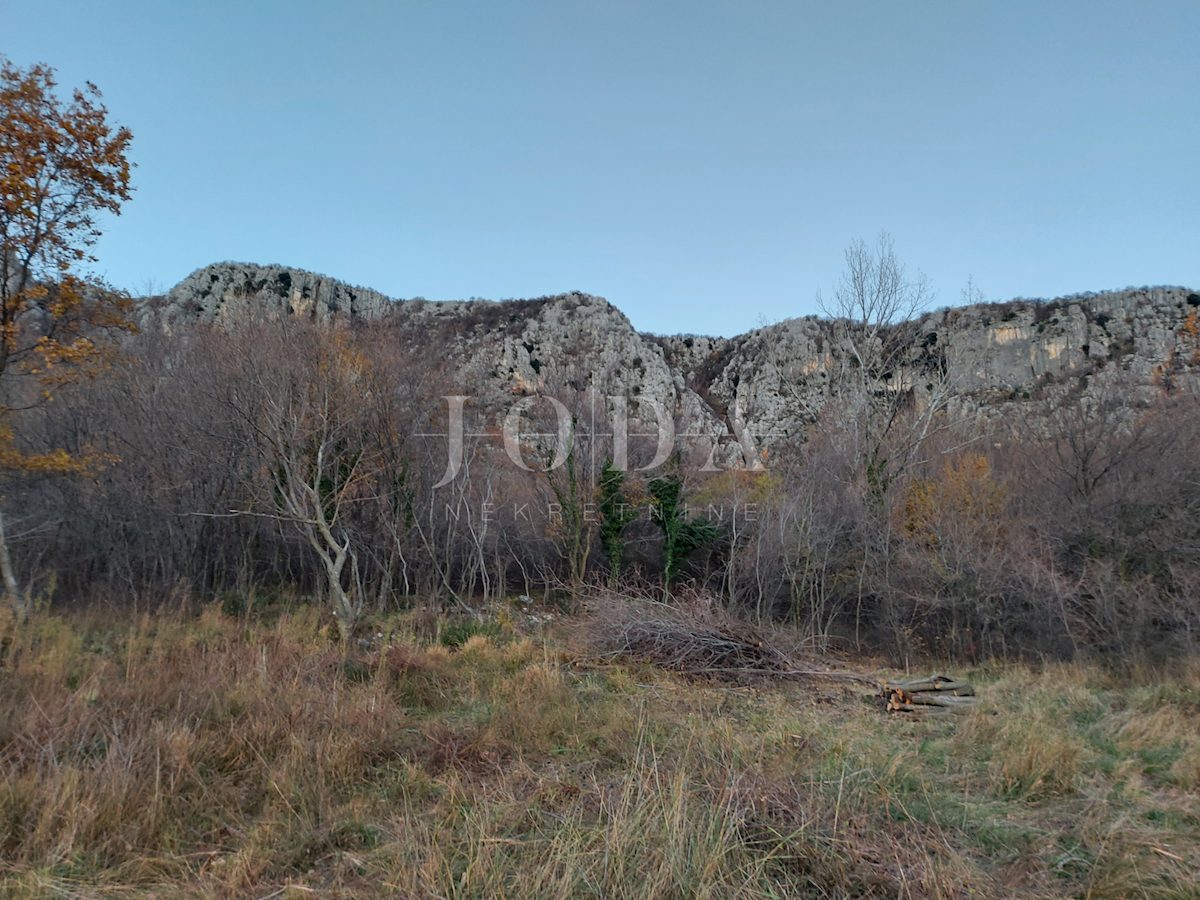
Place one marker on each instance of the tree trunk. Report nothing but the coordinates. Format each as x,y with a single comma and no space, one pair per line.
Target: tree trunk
11,589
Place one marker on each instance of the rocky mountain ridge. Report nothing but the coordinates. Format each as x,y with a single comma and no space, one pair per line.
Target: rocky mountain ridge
745,391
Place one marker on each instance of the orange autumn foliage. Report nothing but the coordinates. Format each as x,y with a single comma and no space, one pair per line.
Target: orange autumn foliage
964,496
61,165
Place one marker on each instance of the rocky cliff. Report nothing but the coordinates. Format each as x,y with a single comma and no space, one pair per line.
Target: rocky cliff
776,377
744,392
222,291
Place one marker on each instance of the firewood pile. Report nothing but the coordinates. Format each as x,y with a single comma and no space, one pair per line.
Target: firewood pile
935,695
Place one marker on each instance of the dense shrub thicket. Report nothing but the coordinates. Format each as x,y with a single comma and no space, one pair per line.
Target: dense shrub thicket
292,456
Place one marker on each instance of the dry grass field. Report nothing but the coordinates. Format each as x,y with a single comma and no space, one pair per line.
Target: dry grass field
205,755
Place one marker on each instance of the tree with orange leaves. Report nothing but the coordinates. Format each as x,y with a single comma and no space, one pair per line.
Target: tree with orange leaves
61,166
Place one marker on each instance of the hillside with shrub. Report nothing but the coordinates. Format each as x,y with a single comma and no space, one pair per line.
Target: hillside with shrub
272,451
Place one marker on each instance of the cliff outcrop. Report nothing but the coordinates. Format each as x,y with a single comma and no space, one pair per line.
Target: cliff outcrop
224,291
779,376
744,392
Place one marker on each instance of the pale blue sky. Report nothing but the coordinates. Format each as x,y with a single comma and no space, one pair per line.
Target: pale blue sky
701,164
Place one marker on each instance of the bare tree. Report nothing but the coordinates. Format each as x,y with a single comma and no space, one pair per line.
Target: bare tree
874,310
889,394
306,407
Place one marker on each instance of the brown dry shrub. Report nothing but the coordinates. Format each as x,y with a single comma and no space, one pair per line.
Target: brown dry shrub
402,660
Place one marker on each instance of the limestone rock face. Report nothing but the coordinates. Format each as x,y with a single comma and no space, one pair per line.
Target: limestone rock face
581,350
775,379
728,399
1013,346
568,346
222,291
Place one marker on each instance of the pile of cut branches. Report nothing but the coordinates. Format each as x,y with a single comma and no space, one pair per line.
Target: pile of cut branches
695,650
935,695
695,643
698,640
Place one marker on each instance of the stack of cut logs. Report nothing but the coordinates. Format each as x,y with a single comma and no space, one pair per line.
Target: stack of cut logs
935,695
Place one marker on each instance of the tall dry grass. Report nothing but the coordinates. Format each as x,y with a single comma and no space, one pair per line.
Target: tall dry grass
210,756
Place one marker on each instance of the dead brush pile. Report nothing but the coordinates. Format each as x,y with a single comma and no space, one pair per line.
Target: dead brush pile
692,637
